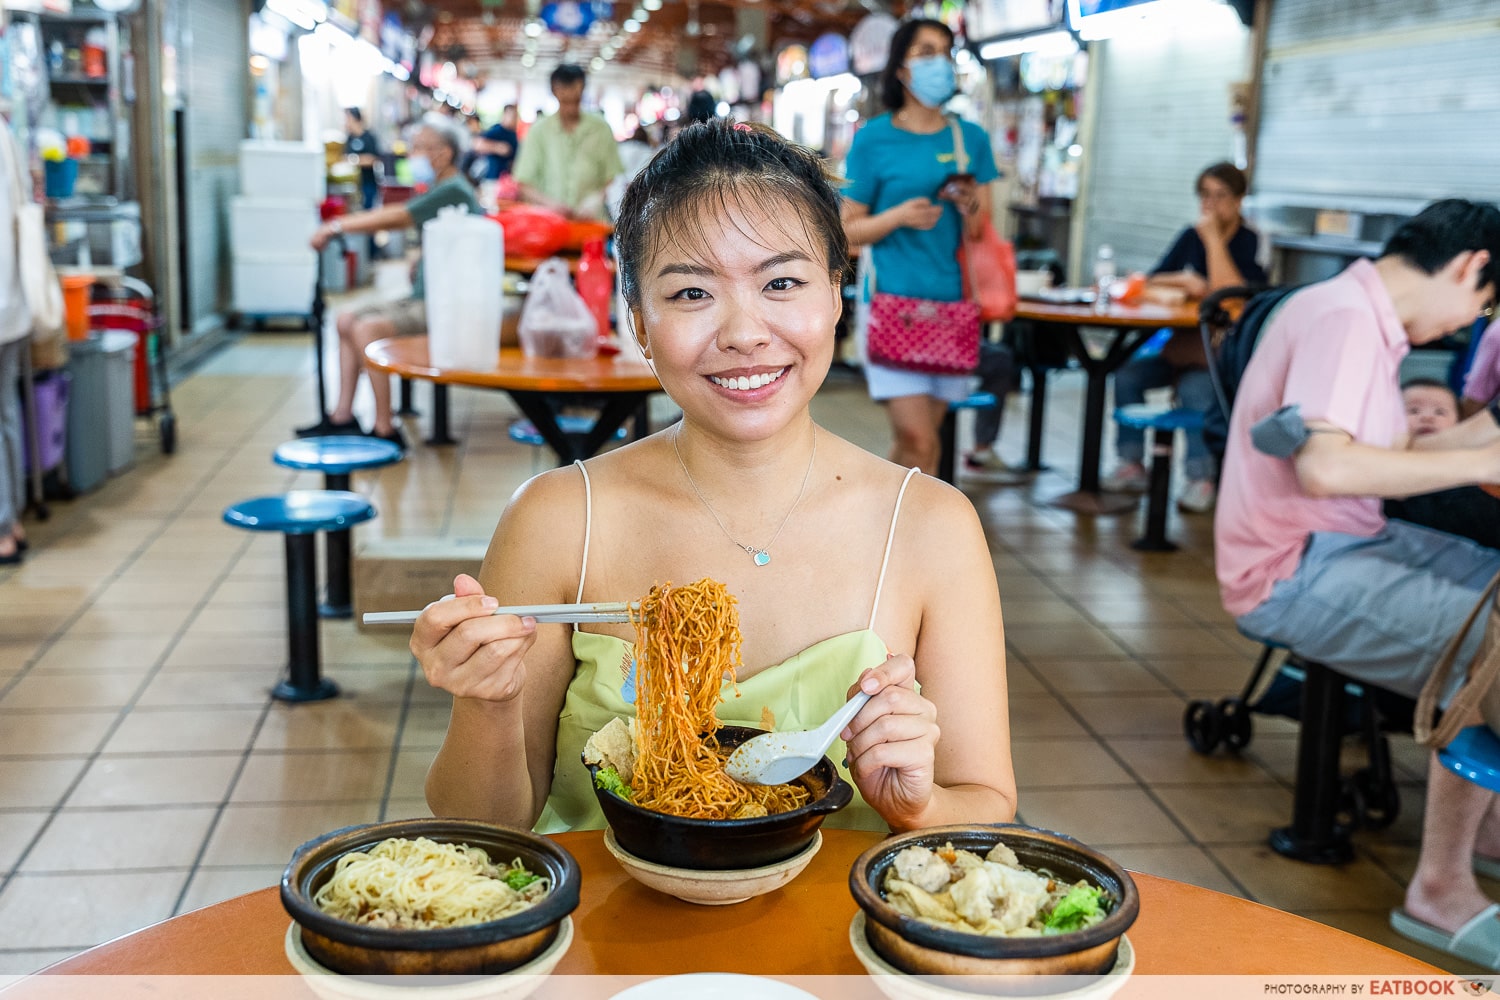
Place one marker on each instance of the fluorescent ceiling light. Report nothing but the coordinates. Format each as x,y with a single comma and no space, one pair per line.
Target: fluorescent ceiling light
305,14
1056,42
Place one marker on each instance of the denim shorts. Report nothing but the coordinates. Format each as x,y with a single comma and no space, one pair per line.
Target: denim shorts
893,383
1379,608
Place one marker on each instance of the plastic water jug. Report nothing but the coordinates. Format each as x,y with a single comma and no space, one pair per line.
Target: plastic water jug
463,261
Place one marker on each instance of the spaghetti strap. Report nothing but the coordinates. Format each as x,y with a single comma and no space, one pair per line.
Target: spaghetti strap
588,524
886,559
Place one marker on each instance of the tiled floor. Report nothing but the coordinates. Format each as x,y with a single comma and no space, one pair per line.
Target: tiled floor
144,770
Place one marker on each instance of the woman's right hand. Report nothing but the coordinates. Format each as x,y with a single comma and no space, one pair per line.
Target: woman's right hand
467,650
918,213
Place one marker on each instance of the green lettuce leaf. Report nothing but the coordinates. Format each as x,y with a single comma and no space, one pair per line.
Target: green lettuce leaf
519,878
608,779
1082,906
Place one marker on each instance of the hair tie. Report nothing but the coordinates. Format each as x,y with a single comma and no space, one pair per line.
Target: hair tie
741,127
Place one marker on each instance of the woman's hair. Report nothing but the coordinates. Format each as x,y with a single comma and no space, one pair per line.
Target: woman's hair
1227,174
719,164
454,135
892,93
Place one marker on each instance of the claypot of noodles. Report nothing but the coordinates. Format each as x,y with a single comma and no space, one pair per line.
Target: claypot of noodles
726,844
429,897
995,923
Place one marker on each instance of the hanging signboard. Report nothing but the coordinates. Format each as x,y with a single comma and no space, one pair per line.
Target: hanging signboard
791,64
828,56
870,43
574,17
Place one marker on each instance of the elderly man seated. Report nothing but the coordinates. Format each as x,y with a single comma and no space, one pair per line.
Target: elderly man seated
1305,557
436,150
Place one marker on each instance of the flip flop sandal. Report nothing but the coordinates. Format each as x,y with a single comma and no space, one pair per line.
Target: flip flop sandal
1477,941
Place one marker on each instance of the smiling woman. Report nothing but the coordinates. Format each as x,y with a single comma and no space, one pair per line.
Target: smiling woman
849,572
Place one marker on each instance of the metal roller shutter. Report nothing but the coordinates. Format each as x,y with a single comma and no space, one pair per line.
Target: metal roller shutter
214,55
1380,99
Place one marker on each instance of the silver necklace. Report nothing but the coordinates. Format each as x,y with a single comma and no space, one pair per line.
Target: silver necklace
761,555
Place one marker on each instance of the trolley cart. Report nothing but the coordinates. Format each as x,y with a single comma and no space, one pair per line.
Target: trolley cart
128,304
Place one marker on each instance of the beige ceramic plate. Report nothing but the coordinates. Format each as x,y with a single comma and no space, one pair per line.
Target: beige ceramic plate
713,888
898,985
516,984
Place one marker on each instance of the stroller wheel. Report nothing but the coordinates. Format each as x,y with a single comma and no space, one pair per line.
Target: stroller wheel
1379,801
1201,725
1234,723
168,431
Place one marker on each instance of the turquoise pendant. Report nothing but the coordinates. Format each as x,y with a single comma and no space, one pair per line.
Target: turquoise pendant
762,557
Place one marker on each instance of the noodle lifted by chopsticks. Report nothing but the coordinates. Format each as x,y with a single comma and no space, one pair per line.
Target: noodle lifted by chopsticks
687,642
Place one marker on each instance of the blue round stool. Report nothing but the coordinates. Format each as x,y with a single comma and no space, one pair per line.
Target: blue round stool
1163,425
299,515
1474,755
337,457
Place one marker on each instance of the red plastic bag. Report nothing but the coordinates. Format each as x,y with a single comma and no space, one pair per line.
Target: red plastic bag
988,264
532,231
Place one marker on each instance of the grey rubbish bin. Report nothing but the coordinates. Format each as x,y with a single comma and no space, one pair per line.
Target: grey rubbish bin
101,407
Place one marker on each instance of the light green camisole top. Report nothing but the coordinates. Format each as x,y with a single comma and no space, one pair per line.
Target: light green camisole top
801,692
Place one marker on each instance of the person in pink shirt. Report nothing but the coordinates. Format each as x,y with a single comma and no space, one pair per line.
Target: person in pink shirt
1304,555
1482,384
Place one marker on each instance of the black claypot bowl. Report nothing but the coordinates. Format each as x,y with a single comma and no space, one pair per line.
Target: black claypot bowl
725,844
477,949
921,948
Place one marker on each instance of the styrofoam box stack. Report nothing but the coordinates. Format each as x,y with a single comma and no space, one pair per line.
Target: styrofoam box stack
271,222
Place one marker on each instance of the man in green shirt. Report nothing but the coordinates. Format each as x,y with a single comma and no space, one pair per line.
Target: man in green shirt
568,158
436,150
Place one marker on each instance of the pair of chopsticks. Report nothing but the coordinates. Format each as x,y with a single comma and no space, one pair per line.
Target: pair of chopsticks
570,613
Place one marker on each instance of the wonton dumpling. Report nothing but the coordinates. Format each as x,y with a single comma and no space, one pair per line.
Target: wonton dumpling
613,746
1002,855
922,868
1021,895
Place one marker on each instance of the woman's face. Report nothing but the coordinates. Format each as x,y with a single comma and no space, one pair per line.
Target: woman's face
738,317
928,41
1215,198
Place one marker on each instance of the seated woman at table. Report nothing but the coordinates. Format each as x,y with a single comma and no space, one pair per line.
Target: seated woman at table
1218,251
437,150
850,572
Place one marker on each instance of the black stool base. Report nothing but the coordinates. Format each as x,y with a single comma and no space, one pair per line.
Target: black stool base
320,691
1334,849
1149,544
328,610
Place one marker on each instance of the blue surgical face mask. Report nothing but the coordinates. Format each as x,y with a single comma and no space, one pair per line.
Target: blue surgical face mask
421,170
932,80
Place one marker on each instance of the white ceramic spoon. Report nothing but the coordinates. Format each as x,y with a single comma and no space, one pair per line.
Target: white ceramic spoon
776,758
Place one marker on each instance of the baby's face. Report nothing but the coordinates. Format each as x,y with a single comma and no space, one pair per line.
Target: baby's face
1429,409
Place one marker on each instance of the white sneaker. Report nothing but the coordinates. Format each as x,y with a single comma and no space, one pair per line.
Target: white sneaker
1128,477
1199,497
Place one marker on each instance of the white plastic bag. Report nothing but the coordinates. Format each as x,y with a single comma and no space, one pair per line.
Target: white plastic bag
555,322
463,261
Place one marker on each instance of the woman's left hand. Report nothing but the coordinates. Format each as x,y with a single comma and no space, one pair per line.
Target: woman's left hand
892,742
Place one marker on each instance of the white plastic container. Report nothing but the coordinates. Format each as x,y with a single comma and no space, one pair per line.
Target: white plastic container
272,225
271,169
274,284
463,262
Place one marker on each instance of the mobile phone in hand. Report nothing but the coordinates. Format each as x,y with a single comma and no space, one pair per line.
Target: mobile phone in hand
953,186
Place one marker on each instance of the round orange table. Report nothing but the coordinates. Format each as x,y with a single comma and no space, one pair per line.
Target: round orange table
1130,326
617,387
621,928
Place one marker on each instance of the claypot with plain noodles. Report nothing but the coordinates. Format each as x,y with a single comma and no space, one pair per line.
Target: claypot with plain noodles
725,844
485,948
